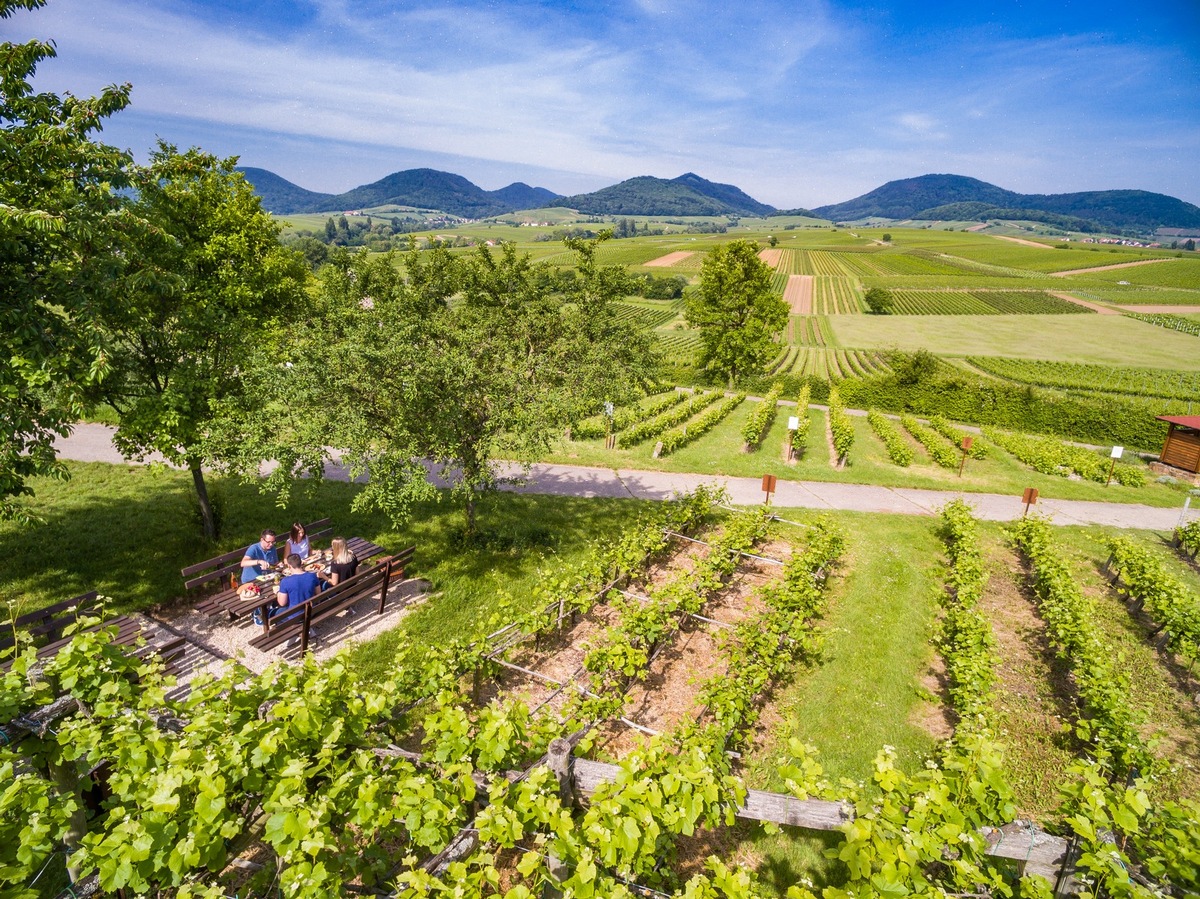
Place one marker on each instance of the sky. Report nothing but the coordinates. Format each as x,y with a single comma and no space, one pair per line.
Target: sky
800,103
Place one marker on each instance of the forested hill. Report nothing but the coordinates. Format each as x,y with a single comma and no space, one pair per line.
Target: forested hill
686,195
956,196
280,195
420,188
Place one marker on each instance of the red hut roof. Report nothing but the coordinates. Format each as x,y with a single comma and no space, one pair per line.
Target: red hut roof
1187,421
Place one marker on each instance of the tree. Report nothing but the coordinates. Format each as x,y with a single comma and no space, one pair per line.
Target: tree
60,222
448,362
879,300
205,283
773,240
736,310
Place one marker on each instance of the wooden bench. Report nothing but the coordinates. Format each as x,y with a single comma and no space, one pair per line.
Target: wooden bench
228,602
297,622
203,575
50,622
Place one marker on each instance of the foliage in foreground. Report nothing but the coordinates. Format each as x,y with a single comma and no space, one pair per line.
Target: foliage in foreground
305,759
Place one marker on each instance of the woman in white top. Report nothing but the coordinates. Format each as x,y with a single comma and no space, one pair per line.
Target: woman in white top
297,541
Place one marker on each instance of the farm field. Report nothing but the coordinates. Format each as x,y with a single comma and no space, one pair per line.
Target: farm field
1105,340
719,452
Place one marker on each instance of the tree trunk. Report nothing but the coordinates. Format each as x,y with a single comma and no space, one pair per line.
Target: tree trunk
65,776
207,518
470,511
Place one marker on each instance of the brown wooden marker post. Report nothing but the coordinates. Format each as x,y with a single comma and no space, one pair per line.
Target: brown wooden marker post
1029,497
768,486
966,448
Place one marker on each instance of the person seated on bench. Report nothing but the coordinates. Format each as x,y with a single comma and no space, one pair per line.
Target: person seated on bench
297,542
260,557
298,586
344,564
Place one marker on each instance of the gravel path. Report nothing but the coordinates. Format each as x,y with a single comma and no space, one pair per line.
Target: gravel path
93,443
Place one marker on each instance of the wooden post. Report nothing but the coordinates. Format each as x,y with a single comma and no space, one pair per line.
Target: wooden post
558,760
768,485
1029,497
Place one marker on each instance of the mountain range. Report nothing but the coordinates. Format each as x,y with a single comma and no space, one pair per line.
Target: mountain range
928,197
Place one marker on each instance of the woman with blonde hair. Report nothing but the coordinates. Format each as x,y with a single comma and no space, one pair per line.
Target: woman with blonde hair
344,563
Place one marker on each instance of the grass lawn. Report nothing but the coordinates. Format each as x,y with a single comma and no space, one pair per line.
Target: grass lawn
867,689
127,530
1097,339
719,452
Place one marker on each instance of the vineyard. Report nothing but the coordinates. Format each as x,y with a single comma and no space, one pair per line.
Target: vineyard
1171,322
648,315
596,744
1180,385
982,302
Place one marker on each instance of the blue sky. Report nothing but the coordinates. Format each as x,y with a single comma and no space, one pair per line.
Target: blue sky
800,103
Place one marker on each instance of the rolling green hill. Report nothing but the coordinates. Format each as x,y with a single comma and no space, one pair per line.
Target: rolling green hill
279,195
948,196
686,195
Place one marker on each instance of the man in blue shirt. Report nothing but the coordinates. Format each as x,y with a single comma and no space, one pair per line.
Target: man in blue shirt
260,557
297,586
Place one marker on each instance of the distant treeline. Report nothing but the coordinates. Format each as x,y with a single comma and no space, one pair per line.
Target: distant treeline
377,233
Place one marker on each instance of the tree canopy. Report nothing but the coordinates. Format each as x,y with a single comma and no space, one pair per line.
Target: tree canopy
60,240
441,366
205,281
736,310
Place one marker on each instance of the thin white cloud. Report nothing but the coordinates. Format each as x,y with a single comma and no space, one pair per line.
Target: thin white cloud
802,103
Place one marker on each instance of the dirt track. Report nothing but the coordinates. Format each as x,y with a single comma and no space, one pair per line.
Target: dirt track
799,294
670,259
1163,310
1103,310
1023,242
771,257
1104,268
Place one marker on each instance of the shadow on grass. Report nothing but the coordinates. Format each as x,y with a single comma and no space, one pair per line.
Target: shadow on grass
126,531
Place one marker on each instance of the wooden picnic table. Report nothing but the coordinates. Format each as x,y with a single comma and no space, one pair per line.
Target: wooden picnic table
229,603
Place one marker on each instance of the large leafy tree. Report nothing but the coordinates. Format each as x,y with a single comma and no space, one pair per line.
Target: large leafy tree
736,310
448,364
61,226
205,285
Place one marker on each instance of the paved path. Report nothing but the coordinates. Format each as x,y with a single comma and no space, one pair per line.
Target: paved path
93,443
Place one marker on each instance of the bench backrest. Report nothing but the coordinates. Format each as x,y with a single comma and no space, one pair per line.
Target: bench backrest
50,621
298,619
220,567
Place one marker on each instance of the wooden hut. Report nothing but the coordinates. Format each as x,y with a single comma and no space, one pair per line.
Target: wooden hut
1182,448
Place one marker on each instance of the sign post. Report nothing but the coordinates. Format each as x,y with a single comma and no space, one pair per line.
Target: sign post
966,448
768,486
793,425
1117,451
1029,497
610,439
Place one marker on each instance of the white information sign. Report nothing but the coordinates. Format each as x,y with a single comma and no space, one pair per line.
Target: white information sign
1117,451
794,423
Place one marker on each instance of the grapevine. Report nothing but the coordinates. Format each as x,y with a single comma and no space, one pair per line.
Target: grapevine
898,450
1166,599
839,425
761,418
701,425
939,450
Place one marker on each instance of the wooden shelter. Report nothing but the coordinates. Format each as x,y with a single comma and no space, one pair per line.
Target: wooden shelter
1182,447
